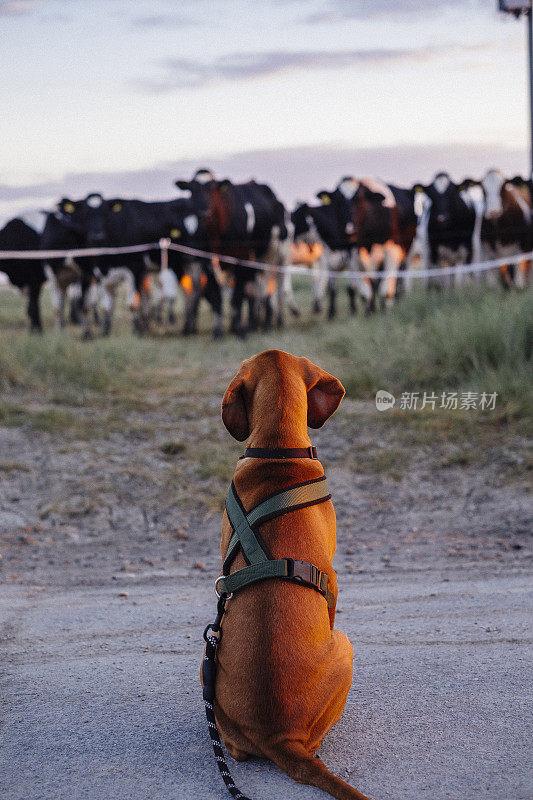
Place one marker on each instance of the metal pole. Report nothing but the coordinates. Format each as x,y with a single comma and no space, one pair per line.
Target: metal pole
529,22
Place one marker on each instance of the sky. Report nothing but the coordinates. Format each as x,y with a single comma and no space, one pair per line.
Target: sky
125,96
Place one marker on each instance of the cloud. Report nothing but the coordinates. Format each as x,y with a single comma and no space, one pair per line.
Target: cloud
163,21
295,173
15,8
341,10
185,73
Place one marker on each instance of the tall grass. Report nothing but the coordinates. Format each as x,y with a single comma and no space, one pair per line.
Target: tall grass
479,340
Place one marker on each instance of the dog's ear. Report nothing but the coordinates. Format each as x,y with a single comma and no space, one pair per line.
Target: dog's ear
324,394
234,414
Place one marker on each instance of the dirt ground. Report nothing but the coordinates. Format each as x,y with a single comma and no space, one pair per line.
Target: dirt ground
140,493
109,529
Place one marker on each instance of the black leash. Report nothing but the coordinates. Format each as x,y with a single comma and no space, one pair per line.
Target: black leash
209,667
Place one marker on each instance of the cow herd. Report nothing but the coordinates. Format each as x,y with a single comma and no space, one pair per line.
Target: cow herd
379,232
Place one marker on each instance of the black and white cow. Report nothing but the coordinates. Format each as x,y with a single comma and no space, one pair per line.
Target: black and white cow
26,274
448,215
507,228
245,221
61,232
323,225
96,222
130,222
368,225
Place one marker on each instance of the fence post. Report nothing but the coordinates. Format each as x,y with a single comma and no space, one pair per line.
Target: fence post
163,246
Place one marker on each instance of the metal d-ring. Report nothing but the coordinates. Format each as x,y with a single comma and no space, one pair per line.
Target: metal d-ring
219,594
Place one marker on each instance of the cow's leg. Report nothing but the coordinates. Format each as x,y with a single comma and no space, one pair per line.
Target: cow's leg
319,269
140,304
74,293
156,311
34,313
85,307
351,298
367,286
358,280
505,278
169,293
106,293
332,295
144,306
522,273
288,294
57,294
192,287
213,295
237,300
319,286
255,294
281,279
392,258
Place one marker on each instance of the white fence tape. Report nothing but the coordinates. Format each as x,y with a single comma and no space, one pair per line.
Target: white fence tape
165,244
20,255
295,269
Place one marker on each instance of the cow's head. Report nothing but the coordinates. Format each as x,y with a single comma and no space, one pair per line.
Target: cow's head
493,183
92,214
199,185
301,220
439,193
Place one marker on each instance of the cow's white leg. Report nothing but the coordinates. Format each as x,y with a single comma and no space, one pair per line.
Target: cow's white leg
359,264
169,292
288,294
392,258
57,296
157,299
106,297
415,261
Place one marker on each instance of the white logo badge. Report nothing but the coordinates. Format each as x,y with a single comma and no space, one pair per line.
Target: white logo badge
384,400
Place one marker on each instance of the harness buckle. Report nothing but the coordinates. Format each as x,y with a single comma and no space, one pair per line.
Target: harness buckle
304,571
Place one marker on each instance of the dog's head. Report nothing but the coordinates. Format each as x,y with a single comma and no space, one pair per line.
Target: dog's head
281,388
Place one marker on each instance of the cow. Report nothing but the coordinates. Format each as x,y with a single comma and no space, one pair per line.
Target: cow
245,221
449,214
368,225
506,229
26,274
321,231
61,232
117,222
137,222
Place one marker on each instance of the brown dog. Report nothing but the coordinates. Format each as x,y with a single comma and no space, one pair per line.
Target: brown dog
283,673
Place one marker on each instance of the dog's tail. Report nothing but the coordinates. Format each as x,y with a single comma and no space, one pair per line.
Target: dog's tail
293,759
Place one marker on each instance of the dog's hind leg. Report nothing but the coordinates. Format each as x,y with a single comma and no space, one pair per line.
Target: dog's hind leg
238,755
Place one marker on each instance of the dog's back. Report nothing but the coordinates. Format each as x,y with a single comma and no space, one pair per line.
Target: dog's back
283,673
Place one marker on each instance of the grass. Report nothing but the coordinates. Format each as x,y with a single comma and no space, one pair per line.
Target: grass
163,391
472,340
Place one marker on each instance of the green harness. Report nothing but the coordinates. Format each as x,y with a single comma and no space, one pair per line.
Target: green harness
260,564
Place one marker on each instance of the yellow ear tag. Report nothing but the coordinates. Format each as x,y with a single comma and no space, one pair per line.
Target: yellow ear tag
175,233
326,200
117,207
68,207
